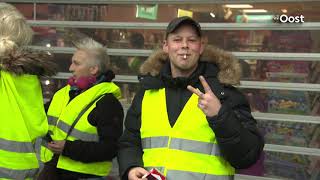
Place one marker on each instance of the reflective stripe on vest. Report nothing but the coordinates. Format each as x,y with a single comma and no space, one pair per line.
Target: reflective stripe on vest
17,174
181,144
75,133
173,174
62,114
52,120
155,142
15,146
189,149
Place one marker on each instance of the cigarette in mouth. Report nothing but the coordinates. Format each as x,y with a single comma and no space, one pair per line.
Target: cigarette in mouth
185,56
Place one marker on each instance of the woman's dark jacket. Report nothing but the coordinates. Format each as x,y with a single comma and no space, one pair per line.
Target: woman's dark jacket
234,127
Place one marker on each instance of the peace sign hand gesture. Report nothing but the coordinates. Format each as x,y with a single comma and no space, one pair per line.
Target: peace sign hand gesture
208,102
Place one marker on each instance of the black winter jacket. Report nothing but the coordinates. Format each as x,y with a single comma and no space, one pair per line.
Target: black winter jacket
234,127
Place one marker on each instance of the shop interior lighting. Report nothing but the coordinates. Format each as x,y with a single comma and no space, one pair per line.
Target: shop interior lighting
47,82
240,6
212,15
254,11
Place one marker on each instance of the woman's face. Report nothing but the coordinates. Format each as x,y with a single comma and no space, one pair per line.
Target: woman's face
80,66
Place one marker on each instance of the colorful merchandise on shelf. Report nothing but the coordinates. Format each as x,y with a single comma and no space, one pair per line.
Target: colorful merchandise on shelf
287,71
289,102
286,41
285,133
286,166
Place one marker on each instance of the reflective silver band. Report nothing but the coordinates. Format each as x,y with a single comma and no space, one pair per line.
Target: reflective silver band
17,174
155,142
44,143
16,146
195,146
181,144
52,120
184,175
76,133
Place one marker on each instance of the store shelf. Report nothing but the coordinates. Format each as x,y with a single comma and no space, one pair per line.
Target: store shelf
286,118
244,84
111,52
279,86
239,55
246,177
292,149
97,25
278,56
150,1
162,26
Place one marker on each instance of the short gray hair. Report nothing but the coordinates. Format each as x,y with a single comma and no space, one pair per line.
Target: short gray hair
14,30
97,52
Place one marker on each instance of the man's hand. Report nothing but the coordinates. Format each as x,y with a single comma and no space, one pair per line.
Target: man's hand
208,102
56,146
137,173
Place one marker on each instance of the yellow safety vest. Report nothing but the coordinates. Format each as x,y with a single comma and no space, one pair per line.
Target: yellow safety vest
22,119
186,151
62,114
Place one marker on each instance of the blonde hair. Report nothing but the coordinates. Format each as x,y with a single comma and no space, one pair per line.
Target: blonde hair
96,51
14,30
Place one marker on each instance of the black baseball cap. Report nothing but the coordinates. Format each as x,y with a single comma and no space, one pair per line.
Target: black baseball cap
184,20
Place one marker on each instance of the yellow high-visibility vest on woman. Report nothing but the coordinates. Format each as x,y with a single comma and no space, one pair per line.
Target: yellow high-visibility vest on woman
186,151
22,119
62,114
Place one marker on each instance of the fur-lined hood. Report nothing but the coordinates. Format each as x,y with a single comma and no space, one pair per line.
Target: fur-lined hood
25,61
229,67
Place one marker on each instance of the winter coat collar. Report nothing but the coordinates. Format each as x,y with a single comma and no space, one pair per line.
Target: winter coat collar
25,61
228,66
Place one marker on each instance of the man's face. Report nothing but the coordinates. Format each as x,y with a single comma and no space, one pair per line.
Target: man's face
184,48
80,66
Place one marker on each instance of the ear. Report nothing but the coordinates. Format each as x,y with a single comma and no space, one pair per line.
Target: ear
165,46
94,70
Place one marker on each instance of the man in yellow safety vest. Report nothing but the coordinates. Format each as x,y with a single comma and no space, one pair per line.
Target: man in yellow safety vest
188,121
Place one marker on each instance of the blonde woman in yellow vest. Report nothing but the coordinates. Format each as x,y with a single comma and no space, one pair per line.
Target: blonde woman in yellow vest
188,121
85,119
22,116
